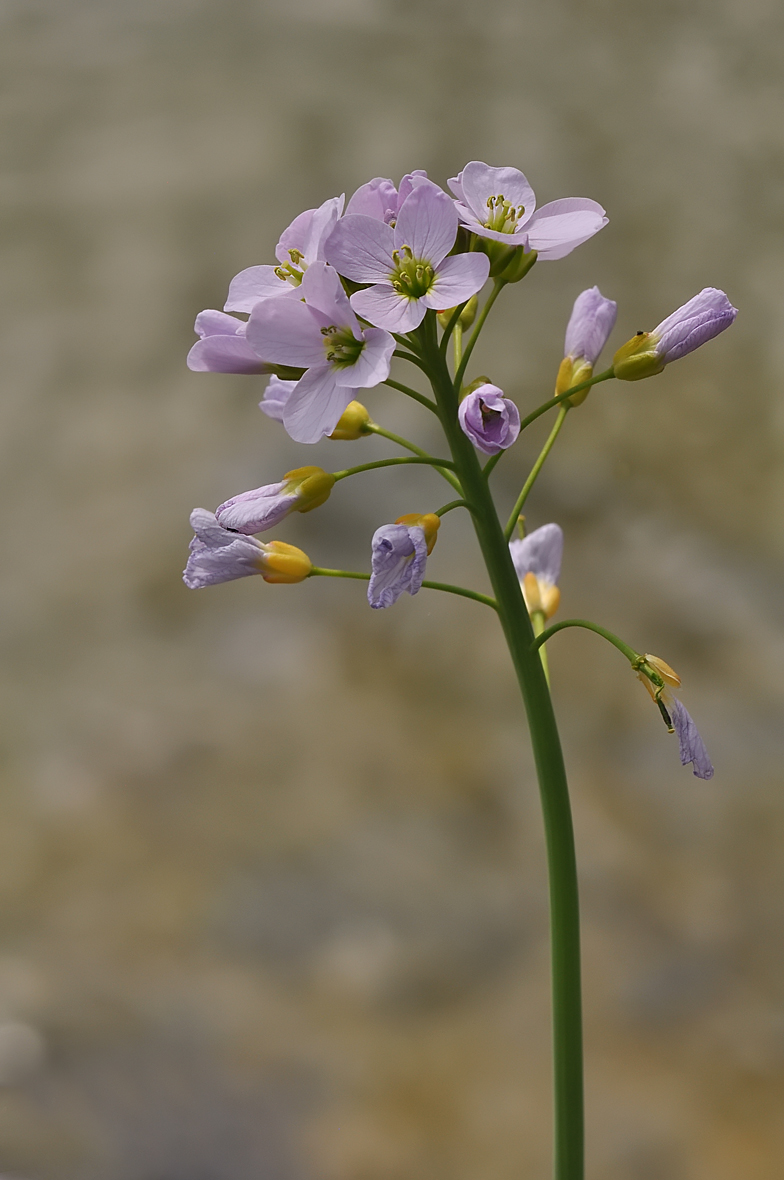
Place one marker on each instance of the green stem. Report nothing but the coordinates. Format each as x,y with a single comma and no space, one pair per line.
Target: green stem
469,348
631,655
538,621
561,397
409,392
319,572
374,428
457,341
537,467
562,867
451,326
452,504
390,463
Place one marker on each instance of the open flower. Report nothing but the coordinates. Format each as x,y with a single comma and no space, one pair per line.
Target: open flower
698,321
537,561
262,508
499,203
301,244
490,420
217,555
409,266
380,199
591,322
398,558
677,719
223,347
323,336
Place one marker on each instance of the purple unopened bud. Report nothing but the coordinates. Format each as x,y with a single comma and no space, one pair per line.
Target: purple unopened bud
398,557
692,746
262,508
699,320
591,322
490,420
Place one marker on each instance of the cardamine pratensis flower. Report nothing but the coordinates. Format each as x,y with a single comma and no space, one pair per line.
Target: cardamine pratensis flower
380,199
698,321
398,557
490,420
275,397
223,347
591,322
301,244
499,204
217,555
300,490
692,747
323,336
409,266
537,561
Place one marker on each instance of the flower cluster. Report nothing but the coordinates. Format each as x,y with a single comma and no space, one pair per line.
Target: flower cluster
358,283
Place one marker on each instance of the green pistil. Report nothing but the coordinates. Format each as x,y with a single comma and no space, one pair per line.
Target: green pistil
504,216
412,277
342,347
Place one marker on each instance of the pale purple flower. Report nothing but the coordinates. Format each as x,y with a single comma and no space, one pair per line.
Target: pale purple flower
692,747
591,322
380,199
490,420
275,397
499,203
537,562
399,556
262,508
217,555
699,320
223,347
301,244
323,336
409,266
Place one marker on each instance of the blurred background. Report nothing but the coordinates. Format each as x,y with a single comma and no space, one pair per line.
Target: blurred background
272,883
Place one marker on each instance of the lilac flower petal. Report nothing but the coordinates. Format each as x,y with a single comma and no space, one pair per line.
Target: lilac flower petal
322,289
315,405
286,332
398,559
539,553
591,322
458,278
699,320
384,307
253,284
217,323
275,398
309,230
479,181
217,555
427,222
225,354
257,510
374,199
411,181
691,744
373,364
557,228
490,420
361,249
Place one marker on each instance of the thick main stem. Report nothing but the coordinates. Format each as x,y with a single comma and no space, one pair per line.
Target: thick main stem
562,867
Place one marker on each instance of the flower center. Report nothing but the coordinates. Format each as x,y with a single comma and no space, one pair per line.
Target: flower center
292,272
489,416
503,215
412,277
341,346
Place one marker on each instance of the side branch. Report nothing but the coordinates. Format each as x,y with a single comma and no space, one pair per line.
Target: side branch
319,572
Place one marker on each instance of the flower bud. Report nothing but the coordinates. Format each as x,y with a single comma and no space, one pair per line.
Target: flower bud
572,371
489,419
429,523
352,423
518,265
312,486
638,358
284,563
591,322
262,508
466,317
698,321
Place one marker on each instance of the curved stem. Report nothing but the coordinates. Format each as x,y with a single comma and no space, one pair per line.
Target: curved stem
561,397
537,467
374,428
452,504
469,348
320,572
562,867
631,655
391,463
490,464
405,341
409,392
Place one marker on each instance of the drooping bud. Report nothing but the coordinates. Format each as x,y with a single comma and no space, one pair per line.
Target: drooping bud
262,508
429,523
352,423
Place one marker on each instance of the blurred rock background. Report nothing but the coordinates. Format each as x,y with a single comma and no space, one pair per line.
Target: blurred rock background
272,888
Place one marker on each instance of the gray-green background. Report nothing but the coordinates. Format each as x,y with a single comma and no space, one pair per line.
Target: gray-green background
272,889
